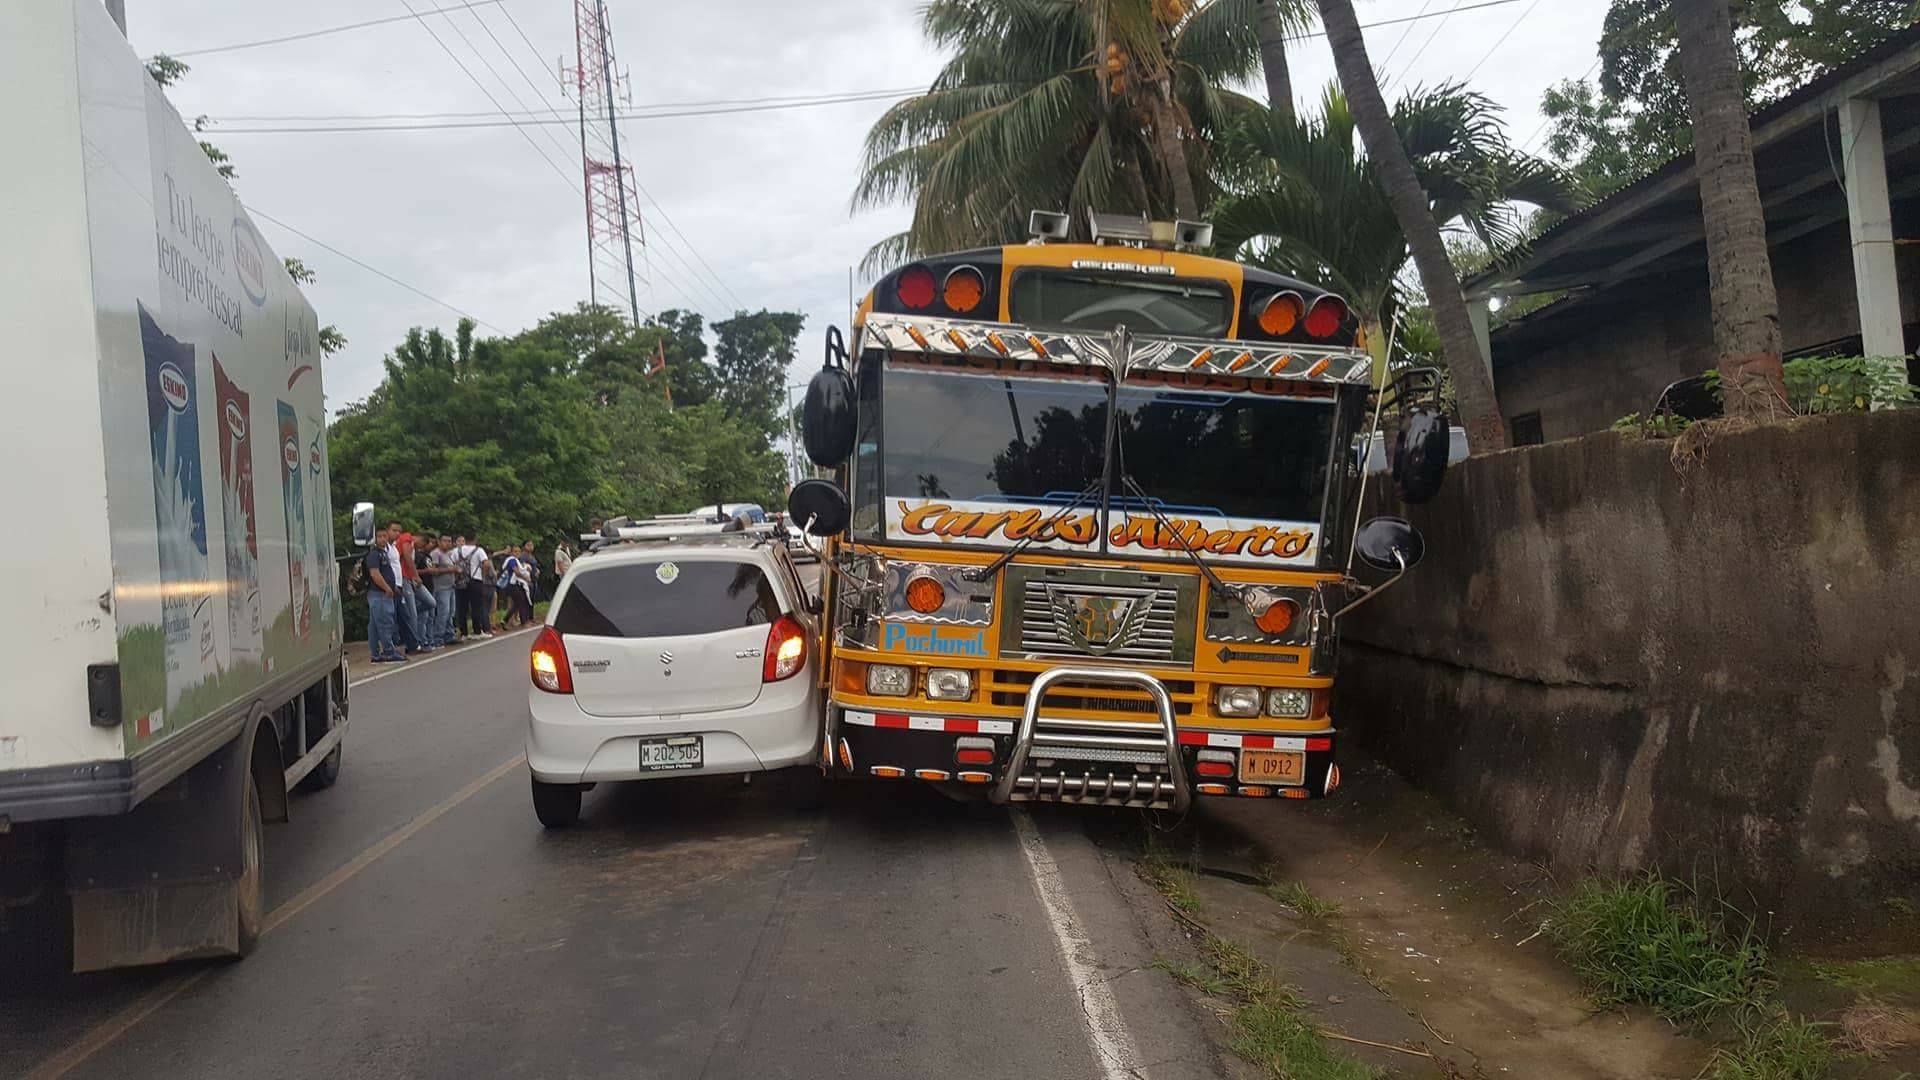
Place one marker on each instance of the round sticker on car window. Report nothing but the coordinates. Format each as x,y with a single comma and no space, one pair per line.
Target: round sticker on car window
667,573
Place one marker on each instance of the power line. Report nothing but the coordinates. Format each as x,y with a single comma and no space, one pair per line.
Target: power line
530,121
489,94
638,111
1502,40
374,270
495,72
323,33
1404,34
1437,27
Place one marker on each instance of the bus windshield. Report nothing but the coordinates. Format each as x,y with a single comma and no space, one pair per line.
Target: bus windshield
980,440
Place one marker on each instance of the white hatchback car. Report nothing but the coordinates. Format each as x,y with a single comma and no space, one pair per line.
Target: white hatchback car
673,657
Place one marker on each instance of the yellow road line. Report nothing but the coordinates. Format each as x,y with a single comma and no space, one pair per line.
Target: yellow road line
103,1034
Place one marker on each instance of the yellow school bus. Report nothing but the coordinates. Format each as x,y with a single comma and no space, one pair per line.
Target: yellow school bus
1091,521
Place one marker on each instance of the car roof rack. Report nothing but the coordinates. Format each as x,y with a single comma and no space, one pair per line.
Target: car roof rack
672,528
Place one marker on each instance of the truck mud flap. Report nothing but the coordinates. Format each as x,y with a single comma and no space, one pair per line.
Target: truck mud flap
163,882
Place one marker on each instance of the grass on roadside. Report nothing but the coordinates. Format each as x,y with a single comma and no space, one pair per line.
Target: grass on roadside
1774,1046
1297,896
1649,941
1271,1027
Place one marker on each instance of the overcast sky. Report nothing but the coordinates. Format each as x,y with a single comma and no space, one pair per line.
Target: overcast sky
478,219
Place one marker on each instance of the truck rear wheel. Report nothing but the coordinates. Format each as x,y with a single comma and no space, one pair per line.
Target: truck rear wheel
556,805
248,890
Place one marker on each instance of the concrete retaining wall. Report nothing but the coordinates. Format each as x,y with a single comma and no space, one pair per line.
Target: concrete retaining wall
1603,663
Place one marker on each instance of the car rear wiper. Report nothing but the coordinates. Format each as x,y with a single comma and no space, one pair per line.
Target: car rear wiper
984,572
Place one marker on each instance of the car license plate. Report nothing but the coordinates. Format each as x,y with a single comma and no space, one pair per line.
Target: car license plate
1273,767
666,755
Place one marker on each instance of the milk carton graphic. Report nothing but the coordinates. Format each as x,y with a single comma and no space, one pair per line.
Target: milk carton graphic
236,500
292,469
326,574
173,428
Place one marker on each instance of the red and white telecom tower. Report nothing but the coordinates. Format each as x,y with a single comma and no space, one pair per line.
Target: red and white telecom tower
614,226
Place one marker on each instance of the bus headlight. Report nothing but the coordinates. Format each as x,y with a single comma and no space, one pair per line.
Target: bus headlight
1237,701
1289,702
889,680
949,684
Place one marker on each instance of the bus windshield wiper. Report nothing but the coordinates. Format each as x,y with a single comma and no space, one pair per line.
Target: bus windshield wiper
1166,527
984,572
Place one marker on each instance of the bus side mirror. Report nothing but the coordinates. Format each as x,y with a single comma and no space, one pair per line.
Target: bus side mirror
1418,455
826,419
818,508
362,524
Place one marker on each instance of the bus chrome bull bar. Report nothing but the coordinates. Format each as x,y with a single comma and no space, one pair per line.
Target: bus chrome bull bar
1117,748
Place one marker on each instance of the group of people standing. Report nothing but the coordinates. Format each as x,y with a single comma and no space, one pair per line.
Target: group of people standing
427,593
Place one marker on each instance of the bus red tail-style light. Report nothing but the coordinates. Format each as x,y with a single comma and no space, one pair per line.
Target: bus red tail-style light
915,287
973,751
548,659
786,651
1325,317
1213,763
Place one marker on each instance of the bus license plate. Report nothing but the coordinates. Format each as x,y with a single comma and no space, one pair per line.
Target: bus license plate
666,755
1273,767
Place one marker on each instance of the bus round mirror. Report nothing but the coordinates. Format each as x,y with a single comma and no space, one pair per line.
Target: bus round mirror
1390,543
1418,455
826,420
362,524
818,507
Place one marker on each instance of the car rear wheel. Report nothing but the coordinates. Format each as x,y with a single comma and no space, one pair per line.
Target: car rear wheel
556,805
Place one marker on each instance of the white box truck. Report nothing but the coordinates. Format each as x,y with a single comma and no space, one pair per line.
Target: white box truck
170,659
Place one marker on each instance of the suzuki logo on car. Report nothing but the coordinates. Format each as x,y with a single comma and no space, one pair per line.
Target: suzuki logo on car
666,657
173,387
1098,624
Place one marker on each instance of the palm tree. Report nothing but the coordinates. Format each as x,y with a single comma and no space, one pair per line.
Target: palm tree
1303,201
1472,379
1746,313
1060,105
1273,19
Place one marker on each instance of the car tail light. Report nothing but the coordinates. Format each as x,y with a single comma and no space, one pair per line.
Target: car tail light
786,649
549,662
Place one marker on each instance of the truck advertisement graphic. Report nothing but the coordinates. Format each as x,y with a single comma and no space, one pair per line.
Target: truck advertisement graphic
326,575
242,542
173,425
292,467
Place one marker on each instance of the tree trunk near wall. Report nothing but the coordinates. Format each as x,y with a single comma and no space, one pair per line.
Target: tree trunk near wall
1746,313
1272,29
1472,382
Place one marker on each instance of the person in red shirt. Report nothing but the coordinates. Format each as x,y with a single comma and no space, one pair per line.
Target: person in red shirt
413,628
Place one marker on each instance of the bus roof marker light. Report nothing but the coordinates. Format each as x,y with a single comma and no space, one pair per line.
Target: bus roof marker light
958,341
1039,348
1200,358
1240,361
919,338
999,346
1319,366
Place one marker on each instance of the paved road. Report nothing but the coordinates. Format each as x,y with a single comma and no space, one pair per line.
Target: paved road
423,925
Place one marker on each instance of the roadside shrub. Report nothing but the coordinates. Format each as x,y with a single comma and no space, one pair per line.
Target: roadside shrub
1774,1047
1815,385
1649,941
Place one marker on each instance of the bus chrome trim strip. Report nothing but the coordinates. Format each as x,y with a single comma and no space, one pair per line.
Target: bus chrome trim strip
1147,352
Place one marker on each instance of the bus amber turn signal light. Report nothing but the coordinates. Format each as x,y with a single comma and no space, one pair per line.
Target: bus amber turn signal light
1278,617
925,595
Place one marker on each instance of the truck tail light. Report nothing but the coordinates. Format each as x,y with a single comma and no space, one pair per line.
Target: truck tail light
786,649
549,663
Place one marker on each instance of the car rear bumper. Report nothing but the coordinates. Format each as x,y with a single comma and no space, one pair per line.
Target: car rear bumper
568,746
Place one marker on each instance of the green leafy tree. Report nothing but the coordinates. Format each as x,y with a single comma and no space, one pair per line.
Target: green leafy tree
1303,199
1047,104
753,355
1637,119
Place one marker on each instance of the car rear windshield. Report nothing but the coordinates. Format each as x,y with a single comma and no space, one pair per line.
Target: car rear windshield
668,598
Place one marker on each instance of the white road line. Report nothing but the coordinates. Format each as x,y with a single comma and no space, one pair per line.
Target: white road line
415,665
1099,1011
